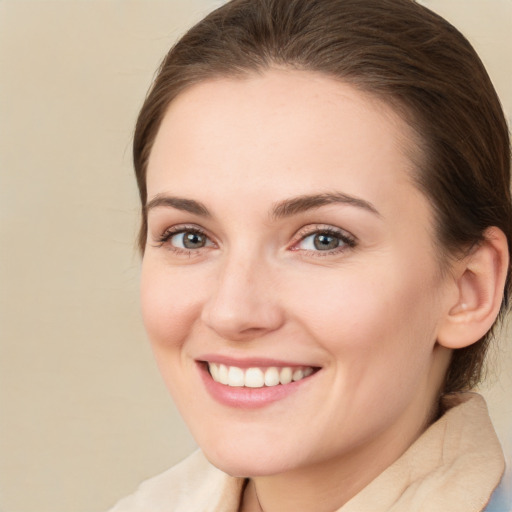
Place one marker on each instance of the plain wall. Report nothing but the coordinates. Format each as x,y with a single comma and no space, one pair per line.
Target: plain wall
84,416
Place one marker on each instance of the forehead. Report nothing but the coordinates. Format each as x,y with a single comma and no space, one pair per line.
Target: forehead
282,132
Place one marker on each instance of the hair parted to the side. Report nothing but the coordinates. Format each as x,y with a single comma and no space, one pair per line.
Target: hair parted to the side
396,50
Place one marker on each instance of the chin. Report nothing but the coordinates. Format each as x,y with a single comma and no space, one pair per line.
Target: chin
250,463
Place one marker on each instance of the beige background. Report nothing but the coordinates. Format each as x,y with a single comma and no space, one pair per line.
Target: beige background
83,414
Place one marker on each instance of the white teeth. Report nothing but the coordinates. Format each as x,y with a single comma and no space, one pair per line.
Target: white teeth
223,374
257,377
236,377
272,377
214,370
286,375
297,375
254,378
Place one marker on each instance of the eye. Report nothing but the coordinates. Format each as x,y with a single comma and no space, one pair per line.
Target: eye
320,242
189,240
184,239
324,240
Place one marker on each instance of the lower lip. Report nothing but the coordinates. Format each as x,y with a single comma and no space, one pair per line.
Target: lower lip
248,398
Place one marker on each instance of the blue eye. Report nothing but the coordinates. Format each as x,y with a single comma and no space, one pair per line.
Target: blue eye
184,239
321,242
189,240
325,240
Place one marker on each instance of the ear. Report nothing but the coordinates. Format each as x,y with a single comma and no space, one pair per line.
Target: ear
480,280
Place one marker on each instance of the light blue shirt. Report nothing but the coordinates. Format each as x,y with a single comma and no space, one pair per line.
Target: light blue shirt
501,500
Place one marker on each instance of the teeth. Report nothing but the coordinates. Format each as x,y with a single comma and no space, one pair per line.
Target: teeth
223,374
272,377
254,378
286,375
257,377
297,375
236,377
214,370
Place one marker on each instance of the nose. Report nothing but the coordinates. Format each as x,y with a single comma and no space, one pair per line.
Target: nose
244,304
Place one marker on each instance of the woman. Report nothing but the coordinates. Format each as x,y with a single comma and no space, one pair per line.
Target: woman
325,240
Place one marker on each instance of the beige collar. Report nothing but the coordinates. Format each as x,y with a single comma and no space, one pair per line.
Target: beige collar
454,466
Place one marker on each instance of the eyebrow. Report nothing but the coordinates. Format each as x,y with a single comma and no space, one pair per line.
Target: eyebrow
282,209
179,203
304,203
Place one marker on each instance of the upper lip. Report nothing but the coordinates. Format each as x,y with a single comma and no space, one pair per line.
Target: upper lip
251,362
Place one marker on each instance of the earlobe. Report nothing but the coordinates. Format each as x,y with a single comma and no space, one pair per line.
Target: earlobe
480,281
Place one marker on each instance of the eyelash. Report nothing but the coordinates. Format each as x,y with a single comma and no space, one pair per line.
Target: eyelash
348,241
165,237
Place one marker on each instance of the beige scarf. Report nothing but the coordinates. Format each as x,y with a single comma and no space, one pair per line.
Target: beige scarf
453,467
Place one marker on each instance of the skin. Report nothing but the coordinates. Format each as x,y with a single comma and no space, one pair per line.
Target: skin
367,315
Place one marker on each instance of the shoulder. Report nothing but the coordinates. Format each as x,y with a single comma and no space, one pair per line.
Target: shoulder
192,485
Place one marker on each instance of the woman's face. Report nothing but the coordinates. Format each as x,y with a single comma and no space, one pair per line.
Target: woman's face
287,241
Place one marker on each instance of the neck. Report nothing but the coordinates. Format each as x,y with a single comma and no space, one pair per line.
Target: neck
327,486
322,488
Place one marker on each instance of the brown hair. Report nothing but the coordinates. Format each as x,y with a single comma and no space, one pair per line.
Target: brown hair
394,49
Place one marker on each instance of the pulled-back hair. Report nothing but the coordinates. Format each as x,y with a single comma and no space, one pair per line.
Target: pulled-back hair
396,50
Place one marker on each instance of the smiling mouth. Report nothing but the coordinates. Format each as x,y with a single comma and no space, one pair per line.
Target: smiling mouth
258,377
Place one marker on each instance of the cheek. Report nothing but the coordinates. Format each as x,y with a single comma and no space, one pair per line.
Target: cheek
170,308
379,331
368,315
170,305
